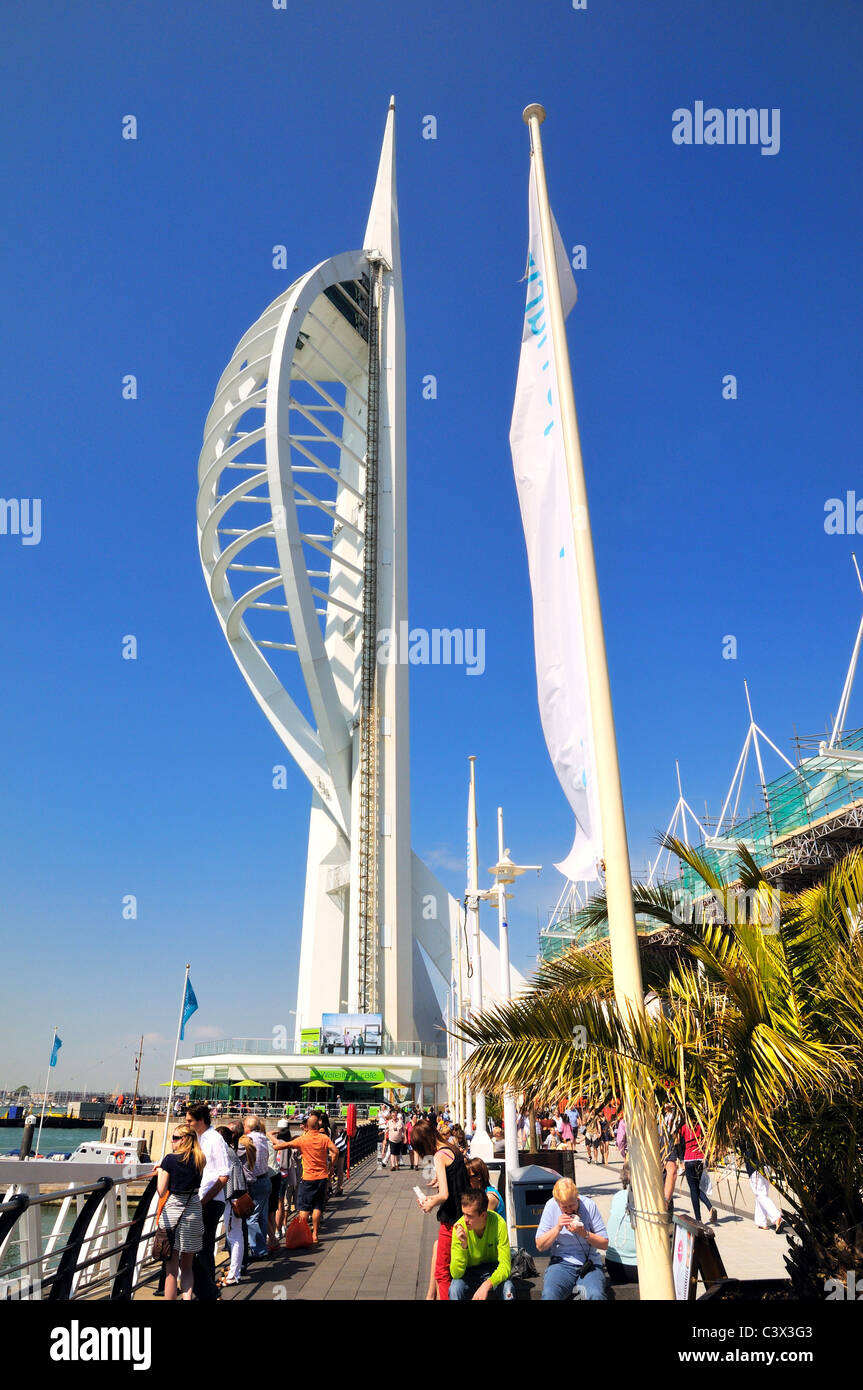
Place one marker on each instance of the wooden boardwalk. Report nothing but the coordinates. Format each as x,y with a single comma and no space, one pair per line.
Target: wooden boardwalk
375,1244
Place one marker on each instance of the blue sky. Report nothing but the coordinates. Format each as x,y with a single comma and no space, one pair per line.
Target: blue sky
256,127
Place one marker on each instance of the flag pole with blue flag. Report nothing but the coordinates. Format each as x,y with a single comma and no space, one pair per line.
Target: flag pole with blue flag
187,1008
55,1048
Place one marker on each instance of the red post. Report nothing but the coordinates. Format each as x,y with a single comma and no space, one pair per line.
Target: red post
350,1130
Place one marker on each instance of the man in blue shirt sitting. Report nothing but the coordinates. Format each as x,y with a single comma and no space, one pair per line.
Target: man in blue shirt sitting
572,1231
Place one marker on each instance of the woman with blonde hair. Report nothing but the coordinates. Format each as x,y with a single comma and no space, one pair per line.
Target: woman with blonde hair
180,1208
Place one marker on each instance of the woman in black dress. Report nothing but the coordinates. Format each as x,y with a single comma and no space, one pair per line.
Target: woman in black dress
179,1179
450,1177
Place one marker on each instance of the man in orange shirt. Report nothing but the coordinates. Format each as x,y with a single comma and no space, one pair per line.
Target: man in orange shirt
317,1153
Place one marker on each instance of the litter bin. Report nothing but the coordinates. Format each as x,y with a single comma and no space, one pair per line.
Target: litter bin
531,1189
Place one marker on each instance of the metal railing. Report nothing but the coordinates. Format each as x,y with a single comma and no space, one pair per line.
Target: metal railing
101,1256
294,1047
267,1110
107,1253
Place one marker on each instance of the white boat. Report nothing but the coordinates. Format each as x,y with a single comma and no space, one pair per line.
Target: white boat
126,1150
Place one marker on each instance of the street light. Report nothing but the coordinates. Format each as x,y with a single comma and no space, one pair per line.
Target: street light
504,873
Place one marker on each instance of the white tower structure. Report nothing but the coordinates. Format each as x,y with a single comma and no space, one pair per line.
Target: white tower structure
302,525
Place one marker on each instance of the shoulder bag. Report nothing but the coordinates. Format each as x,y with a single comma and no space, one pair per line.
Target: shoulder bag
237,1192
163,1241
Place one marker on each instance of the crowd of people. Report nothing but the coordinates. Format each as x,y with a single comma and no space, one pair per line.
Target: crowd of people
257,1178
252,1178
471,1254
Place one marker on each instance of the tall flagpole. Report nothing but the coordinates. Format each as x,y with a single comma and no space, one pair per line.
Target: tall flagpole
473,908
510,1116
137,1077
454,1013
654,1256
45,1095
170,1106
462,1085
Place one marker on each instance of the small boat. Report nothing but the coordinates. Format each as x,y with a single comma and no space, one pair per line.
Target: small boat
125,1150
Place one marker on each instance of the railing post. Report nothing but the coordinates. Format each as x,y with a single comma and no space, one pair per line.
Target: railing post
10,1211
131,1257
32,1244
61,1286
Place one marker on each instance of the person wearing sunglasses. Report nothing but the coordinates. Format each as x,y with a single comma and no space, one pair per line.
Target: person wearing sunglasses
180,1209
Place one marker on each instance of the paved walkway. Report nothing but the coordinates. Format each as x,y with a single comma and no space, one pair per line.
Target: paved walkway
376,1244
747,1253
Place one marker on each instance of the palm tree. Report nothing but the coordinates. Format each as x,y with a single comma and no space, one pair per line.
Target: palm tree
757,1034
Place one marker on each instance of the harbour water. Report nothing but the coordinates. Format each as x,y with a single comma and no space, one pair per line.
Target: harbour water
54,1141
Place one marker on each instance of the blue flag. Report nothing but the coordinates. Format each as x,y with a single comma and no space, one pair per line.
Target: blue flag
55,1048
190,1004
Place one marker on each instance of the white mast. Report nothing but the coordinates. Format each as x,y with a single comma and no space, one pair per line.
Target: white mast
678,825
472,900
716,841
653,1252
169,1108
845,697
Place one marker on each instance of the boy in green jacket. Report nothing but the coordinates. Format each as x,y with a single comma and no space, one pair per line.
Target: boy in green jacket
480,1261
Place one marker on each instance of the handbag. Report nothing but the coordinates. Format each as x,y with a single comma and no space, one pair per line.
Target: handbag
299,1233
523,1266
163,1241
237,1192
242,1205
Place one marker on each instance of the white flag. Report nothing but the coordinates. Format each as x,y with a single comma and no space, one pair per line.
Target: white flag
536,440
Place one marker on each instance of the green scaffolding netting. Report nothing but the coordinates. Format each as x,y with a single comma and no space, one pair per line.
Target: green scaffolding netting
813,792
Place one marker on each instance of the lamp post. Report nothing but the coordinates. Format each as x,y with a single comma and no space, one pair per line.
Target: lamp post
506,872
472,897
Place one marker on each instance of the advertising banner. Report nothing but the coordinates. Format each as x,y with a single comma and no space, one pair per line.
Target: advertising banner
349,1075
351,1034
